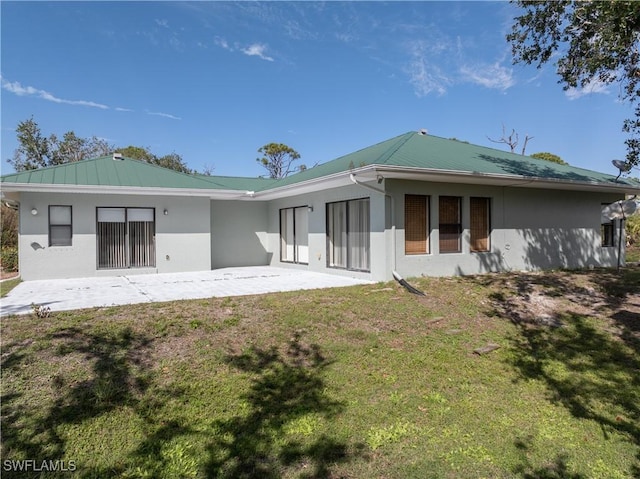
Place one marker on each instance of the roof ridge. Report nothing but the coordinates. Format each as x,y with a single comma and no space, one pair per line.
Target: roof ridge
402,139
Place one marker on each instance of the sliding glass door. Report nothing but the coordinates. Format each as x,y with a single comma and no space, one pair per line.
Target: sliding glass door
348,235
125,238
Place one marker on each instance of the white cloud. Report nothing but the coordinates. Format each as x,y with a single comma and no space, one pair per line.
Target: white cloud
122,109
221,42
162,23
424,75
17,89
493,76
258,50
163,115
594,86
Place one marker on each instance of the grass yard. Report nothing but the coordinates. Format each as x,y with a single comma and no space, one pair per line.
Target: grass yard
360,382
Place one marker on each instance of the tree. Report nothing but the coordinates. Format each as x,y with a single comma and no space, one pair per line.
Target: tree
595,43
549,157
36,151
278,158
512,140
173,161
33,151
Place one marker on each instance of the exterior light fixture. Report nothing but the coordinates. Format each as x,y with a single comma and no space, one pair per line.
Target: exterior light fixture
310,208
34,211
166,212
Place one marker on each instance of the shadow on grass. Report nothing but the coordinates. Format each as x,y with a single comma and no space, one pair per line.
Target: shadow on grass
118,378
285,388
589,366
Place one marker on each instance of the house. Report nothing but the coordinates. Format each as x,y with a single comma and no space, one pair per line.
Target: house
416,204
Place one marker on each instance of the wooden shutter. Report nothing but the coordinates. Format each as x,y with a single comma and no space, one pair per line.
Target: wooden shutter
479,224
449,226
416,224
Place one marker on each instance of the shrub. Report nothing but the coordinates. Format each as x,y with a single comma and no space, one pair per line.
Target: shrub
9,259
8,227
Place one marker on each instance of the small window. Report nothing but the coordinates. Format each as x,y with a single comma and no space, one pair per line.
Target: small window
607,233
416,224
450,225
480,224
60,228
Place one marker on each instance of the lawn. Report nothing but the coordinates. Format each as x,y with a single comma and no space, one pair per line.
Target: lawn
361,382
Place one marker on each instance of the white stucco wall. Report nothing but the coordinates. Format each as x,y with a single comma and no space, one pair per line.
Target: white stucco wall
182,236
318,235
239,233
531,229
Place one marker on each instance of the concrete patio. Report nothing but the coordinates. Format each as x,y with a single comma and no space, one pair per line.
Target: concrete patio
67,294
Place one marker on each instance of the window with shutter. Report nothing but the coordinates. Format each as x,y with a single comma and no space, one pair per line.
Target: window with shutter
480,224
449,224
416,224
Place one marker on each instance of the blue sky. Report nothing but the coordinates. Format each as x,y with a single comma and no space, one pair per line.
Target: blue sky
214,81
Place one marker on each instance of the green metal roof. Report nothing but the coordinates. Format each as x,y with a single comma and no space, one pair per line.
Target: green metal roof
411,150
238,183
415,150
105,171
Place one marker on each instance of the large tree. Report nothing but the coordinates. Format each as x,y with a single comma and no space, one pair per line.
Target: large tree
591,42
278,159
37,151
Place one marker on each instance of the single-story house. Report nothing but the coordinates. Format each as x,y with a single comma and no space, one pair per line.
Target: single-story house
416,204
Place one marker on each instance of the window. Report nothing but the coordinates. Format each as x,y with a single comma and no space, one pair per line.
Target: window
60,228
607,232
294,235
126,237
416,224
450,226
480,224
348,235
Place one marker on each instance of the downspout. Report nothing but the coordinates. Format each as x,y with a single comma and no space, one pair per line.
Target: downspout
352,177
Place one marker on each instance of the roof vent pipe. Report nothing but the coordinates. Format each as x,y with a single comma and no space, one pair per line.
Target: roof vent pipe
118,157
423,132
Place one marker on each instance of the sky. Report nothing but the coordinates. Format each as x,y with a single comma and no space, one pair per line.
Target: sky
215,81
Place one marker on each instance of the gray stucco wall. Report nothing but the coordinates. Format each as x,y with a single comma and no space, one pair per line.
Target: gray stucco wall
531,229
182,236
239,234
317,230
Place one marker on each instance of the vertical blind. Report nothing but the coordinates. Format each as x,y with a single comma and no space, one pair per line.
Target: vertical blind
126,237
480,224
294,235
416,224
348,234
450,226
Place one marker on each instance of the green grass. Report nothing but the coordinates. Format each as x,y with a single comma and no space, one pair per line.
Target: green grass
8,285
358,382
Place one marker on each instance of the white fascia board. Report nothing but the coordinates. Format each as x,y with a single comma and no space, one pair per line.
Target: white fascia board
126,190
451,176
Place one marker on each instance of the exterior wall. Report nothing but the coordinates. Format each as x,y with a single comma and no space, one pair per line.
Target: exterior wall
182,236
531,229
239,234
317,230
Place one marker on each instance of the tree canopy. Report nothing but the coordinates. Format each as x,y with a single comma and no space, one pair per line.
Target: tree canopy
278,159
592,42
37,151
544,155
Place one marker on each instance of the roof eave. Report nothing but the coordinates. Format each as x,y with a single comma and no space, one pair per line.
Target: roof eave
472,177
127,190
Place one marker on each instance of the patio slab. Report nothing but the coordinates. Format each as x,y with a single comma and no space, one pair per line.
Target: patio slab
78,293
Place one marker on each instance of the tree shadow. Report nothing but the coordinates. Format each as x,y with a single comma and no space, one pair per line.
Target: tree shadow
118,378
589,366
286,387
